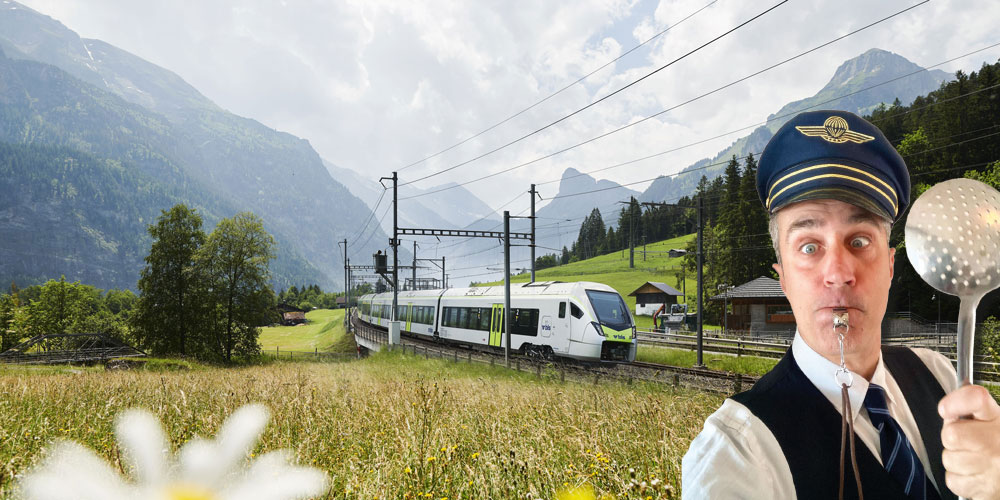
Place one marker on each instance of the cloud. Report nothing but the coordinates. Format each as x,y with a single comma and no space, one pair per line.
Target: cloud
376,85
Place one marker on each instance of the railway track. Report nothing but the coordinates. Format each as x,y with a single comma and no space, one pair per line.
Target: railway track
676,376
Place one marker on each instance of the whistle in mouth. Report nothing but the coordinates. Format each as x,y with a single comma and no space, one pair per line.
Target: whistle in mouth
840,318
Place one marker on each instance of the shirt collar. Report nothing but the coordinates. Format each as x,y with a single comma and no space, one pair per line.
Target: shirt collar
822,372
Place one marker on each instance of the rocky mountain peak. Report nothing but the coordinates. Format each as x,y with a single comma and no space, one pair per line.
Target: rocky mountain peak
872,62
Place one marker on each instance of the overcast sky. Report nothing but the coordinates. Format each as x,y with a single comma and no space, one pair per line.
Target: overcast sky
376,85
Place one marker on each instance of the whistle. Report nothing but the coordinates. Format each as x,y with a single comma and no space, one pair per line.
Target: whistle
840,318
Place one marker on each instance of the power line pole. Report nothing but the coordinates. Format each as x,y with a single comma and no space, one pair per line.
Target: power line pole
532,192
347,290
506,285
701,208
414,284
443,284
395,246
631,240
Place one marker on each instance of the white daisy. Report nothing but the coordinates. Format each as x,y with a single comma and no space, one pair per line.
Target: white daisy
203,470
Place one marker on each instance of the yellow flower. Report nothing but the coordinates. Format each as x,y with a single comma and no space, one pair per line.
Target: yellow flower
475,455
431,459
585,492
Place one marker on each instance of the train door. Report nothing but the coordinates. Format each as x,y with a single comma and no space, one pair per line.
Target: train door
561,325
409,316
496,325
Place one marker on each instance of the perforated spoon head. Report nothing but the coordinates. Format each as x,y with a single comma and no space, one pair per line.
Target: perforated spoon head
953,242
953,237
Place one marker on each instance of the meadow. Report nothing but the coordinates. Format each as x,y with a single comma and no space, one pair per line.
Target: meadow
323,331
389,426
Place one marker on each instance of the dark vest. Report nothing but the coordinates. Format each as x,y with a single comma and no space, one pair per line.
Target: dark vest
807,427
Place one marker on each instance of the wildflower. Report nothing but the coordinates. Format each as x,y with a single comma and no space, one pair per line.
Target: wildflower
585,492
475,455
203,470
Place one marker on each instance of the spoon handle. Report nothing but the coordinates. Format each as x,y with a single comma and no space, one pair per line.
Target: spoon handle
965,338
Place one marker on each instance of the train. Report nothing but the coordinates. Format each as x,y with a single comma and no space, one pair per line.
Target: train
581,320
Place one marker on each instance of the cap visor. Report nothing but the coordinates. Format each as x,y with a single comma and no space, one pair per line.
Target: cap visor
851,196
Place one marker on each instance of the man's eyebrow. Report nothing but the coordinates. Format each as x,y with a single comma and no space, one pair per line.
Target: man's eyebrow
804,223
862,217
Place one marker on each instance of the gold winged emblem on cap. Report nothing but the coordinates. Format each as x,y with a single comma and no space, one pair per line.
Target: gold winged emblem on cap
835,130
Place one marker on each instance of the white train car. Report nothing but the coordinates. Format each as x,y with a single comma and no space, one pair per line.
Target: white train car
581,320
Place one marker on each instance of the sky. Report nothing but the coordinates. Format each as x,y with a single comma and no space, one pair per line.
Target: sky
379,85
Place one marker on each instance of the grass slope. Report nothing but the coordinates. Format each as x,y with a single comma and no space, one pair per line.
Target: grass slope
612,270
390,426
324,331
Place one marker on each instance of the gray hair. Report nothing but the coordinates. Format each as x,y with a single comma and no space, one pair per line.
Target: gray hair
772,227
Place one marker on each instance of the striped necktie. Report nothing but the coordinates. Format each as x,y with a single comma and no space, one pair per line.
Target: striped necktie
898,456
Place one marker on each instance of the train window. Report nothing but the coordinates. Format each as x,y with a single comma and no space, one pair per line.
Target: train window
525,322
562,309
575,310
484,319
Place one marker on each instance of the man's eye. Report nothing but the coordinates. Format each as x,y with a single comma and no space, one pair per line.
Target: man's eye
860,242
809,248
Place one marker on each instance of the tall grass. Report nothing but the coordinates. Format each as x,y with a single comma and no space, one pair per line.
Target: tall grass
391,426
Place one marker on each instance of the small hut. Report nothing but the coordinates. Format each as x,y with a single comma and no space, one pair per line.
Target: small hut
652,295
759,306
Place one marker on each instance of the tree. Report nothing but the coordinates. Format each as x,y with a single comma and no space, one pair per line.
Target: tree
234,263
167,312
8,309
59,306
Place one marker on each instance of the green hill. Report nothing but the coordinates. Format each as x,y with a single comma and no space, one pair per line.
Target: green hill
323,331
612,270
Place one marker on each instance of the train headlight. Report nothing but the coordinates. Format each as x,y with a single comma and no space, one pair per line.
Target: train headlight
597,326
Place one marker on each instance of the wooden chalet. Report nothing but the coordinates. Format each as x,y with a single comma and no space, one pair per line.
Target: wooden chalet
291,315
758,306
653,294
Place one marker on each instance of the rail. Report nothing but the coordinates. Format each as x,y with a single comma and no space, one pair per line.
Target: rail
986,370
701,379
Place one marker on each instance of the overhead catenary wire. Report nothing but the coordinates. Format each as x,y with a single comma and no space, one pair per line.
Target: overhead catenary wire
602,99
355,238
561,90
704,167
672,108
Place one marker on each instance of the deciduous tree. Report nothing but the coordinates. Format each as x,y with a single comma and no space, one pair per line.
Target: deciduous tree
234,263
168,311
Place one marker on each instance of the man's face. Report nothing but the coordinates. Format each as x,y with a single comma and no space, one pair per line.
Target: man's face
834,254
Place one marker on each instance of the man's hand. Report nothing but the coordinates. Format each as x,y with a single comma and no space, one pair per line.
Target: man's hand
971,447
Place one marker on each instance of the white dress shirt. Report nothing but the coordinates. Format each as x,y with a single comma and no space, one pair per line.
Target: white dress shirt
737,456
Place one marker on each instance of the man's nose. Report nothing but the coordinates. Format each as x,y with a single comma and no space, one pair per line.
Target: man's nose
839,267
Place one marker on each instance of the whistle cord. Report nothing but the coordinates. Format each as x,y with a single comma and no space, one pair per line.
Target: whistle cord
847,424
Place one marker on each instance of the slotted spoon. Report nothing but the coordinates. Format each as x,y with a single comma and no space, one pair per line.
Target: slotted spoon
953,241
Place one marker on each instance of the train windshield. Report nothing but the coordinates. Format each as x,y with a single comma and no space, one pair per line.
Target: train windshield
611,309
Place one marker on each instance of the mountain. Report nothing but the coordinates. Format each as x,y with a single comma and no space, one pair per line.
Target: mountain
571,210
90,98
871,68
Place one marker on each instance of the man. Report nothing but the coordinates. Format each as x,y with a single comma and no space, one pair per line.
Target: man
833,186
